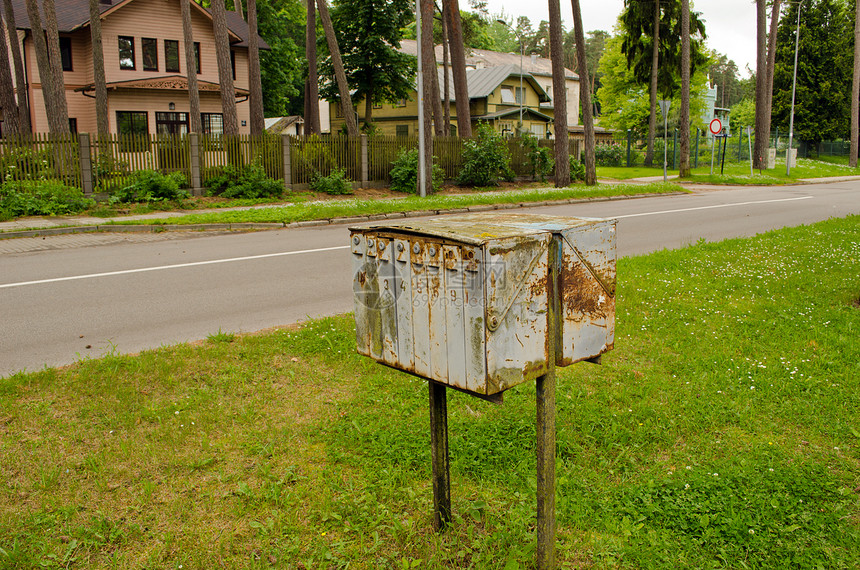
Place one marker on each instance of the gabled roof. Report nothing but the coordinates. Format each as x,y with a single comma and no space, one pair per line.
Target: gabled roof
482,82
482,58
164,83
73,15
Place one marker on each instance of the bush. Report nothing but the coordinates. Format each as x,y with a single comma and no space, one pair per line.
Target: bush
577,170
404,173
485,159
539,158
152,186
608,155
40,198
335,183
248,181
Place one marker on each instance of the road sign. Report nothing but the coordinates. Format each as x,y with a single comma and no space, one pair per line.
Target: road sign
716,126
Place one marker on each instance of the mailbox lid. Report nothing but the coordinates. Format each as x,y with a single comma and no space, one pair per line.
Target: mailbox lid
483,228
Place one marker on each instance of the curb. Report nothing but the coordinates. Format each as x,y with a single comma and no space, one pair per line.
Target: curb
244,226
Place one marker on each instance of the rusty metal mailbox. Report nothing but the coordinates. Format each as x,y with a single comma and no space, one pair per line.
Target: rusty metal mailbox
463,300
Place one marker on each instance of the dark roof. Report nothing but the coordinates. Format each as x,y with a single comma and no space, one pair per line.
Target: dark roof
75,14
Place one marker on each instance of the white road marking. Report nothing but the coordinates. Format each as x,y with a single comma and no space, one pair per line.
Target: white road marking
286,253
175,266
711,207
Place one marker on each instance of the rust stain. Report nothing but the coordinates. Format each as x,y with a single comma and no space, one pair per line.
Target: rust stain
581,293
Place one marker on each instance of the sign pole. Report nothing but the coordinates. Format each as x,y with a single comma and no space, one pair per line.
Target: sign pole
439,455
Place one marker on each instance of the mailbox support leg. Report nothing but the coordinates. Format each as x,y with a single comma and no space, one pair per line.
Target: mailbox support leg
439,456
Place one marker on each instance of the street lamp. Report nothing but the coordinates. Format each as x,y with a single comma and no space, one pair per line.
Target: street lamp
793,91
522,52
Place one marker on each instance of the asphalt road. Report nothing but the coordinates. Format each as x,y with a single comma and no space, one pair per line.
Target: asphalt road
72,297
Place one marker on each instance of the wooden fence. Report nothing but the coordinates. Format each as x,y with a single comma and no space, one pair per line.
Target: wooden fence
107,163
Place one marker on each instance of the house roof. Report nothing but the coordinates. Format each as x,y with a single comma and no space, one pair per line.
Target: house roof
165,83
482,58
75,14
279,124
481,83
527,112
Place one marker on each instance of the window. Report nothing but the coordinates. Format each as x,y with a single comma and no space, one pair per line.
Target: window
233,63
126,52
402,130
520,95
150,54
132,126
73,125
508,95
400,103
171,123
539,130
197,56
171,56
66,53
507,128
213,123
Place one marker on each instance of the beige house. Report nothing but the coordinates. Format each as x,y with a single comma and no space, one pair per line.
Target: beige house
144,60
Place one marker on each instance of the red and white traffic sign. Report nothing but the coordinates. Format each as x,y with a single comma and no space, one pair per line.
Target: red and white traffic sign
716,127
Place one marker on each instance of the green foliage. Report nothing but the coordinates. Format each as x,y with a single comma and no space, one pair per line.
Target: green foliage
539,158
40,198
367,31
152,186
17,160
742,115
608,155
404,173
335,183
283,67
486,159
824,71
577,170
248,181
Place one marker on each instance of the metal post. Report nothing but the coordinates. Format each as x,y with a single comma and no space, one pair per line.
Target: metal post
725,149
422,174
545,402
439,455
793,91
713,140
665,144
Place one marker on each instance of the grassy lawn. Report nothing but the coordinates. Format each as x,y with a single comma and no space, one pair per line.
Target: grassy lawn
358,207
722,432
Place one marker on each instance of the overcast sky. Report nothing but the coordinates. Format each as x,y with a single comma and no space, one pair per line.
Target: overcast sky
730,24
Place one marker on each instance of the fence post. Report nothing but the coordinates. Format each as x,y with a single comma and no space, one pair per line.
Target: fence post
629,144
365,165
194,164
675,150
696,160
286,159
86,162
740,143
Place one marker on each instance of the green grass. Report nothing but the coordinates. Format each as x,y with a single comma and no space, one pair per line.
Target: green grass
722,432
358,207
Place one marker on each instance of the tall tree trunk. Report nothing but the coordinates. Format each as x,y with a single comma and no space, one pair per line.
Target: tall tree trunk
771,67
255,81
368,110
761,109
339,73
428,63
655,62
56,61
312,91
102,122
18,64
855,90
11,124
446,74
225,73
458,66
237,6
56,124
684,168
587,119
191,66
559,102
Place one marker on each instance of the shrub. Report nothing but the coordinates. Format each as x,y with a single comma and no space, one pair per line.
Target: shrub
608,155
485,159
577,170
539,158
248,181
404,173
40,198
335,183
152,186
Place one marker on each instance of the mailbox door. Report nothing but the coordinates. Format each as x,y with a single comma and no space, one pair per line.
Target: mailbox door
403,302
516,284
365,284
474,313
420,308
385,272
587,287
438,311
